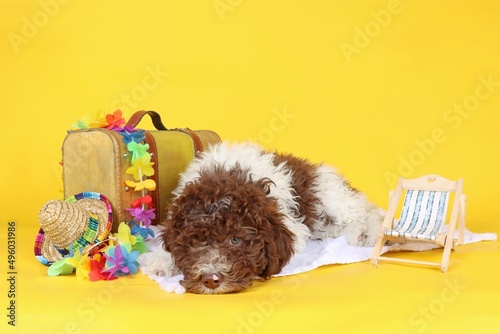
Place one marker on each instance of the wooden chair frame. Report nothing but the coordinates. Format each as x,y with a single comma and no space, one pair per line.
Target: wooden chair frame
446,240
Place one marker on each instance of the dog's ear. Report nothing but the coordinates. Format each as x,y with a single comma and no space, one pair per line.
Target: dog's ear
278,246
165,236
177,213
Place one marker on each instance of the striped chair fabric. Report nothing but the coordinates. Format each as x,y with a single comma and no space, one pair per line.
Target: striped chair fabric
422,215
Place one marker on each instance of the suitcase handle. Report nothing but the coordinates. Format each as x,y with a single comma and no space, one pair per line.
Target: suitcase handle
138,115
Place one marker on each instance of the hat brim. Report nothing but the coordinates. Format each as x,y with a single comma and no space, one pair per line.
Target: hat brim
44,249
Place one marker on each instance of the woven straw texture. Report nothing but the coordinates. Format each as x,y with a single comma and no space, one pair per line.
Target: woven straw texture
65,223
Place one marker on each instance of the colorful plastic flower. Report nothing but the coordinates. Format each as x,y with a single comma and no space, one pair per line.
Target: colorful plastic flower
137,150
142,231
137,136
120,260
141,167
124,236
80,124
140,245
98,248
141,215
146,184
144,200
90,121
82,265
61,267
114,120
126,128
97,264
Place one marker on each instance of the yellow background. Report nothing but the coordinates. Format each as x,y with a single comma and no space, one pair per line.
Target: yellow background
371,87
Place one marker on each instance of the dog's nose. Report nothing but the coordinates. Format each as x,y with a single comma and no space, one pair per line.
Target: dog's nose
212,280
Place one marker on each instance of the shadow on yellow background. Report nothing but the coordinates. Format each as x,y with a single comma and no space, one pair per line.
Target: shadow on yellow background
376,88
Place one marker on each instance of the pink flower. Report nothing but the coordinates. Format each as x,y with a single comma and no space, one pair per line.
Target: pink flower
141,215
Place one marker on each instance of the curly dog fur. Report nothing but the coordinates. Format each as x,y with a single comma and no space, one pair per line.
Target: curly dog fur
239,213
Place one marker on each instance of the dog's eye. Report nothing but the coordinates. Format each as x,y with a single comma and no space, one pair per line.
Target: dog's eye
234,241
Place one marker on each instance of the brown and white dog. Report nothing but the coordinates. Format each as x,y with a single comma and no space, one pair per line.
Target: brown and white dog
240,213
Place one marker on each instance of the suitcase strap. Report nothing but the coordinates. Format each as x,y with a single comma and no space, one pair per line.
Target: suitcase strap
138,115
153,149
198,146
155,117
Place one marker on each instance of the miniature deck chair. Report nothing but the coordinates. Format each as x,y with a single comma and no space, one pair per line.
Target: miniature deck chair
423,217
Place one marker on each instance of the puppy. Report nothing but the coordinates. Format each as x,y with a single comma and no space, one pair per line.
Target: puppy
239,213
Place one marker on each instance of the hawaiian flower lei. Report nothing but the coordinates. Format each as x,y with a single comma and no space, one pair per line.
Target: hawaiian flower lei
117,255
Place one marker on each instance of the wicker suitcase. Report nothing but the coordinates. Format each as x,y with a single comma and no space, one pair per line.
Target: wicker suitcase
96,159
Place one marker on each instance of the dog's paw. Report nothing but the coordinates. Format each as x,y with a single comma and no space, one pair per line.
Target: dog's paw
159,272
360,238
159,263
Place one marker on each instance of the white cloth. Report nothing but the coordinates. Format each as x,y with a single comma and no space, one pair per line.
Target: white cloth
317,253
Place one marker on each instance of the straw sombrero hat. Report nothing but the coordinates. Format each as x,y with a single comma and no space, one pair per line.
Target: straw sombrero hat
79,222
